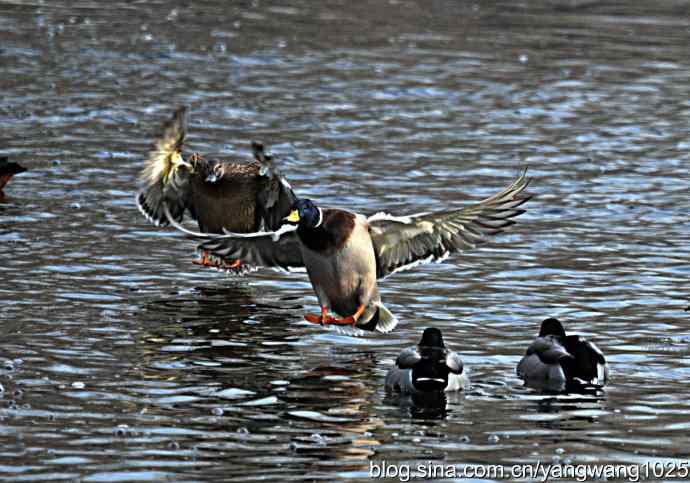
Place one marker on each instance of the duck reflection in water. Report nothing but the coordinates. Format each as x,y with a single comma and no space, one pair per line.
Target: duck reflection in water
212,325
424,405
204,305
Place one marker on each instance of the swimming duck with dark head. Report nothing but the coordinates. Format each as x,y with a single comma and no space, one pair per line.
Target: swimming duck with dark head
427,367
556,361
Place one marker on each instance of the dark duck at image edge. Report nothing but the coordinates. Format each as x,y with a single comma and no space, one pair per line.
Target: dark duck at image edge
557,362
345,253
427,367
7,170
219,195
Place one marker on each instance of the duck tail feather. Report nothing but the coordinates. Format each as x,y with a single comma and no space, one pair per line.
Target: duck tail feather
386,320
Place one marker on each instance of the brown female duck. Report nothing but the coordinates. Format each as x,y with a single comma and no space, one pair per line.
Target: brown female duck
345,253
220,196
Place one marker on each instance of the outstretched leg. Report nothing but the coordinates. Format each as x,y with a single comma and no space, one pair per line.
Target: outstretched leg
325,319
205,262
233,265
315,319
351,320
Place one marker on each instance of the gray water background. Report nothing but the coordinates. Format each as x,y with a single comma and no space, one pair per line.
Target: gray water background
122,361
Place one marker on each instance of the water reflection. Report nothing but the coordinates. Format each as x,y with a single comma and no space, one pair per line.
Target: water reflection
431,405
570,410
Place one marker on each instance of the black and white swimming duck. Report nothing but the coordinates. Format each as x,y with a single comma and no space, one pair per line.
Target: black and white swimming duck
556,361
219,195
345,253
427,367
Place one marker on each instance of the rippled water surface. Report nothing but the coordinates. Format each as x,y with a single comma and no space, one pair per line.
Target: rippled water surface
122,361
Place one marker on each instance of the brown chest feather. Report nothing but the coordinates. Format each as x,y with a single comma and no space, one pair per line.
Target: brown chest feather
331,235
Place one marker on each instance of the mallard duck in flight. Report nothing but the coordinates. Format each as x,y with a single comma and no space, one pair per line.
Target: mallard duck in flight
219,196
7,170
345,253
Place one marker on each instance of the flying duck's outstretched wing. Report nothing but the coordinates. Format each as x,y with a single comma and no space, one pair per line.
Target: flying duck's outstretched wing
402,242
275,196
157,192
263,249
278,249
168,143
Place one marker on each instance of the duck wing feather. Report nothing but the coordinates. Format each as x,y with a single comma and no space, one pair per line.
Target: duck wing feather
279,249
408,358
275,196
403,242
156,194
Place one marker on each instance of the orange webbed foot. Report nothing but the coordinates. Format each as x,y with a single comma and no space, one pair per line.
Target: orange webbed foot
325,319
204,262
233,265
313,318
351,320
346,321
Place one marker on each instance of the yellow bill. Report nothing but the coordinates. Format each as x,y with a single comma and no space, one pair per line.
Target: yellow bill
293,217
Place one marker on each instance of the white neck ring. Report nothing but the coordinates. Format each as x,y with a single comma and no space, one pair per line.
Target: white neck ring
320,218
